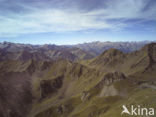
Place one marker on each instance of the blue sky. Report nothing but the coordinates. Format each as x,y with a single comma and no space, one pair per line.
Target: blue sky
77,21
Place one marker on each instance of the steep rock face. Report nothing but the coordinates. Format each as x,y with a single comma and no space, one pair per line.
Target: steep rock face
144,59
151,49
113,77
110,78
48,87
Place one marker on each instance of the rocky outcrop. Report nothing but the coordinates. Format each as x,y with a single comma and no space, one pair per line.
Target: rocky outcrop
105,86
110,78
85,96
63,109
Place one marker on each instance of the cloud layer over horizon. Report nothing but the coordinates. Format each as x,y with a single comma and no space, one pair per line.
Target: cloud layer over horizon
19,17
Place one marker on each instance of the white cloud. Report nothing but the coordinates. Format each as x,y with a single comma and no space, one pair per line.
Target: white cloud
127,9
50,21
57,20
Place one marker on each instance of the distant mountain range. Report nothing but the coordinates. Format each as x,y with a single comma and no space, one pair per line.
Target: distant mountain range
96,48
16,51
46,52
65,81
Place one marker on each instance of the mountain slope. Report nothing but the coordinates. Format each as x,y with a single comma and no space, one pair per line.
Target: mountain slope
89,88
128,63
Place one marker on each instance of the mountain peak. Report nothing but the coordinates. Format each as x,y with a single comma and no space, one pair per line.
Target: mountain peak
109,57
112,52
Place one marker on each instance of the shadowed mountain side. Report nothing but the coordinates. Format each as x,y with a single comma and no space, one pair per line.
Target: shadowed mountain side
16,97
15,94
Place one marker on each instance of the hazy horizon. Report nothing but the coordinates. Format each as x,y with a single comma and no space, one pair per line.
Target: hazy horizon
80,43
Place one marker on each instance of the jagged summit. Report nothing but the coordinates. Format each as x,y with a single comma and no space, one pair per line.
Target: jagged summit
109,57
111,52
